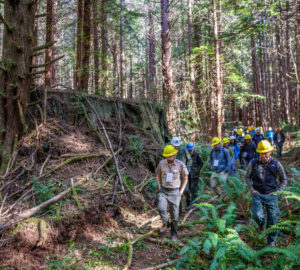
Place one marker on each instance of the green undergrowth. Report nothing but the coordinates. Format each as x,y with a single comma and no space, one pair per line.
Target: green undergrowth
230,239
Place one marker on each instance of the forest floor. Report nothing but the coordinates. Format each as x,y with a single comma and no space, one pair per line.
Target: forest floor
85,230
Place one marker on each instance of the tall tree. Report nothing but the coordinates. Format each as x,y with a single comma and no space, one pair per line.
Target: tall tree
48,51
218,80
169,93
151,51
79,44
54,73
15,76
104,41
96,47
86,44
122,51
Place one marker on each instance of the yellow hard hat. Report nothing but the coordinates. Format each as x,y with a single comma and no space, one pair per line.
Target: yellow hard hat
249,129
240,132
248,137
215,141
169,151
264,147
225,140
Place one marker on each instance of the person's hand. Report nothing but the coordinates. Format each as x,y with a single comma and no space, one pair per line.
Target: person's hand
181,192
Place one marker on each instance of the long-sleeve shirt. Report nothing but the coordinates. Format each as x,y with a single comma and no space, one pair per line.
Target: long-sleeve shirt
280,173
236,150
184,156
196,166
220,160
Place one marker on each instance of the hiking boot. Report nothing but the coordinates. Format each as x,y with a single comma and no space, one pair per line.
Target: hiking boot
174,238
163,229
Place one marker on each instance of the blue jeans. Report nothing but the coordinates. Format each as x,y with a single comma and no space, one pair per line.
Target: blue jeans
259,201
232,167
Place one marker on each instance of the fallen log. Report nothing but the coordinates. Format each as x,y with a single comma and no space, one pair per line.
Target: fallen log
30,212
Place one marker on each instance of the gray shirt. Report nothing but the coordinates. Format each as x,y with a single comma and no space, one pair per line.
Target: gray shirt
280,172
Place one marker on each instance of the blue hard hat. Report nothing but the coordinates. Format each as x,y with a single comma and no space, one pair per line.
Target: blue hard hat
190,146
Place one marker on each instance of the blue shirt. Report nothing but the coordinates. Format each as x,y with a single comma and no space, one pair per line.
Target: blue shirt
236,150
270,134
222,158
257,138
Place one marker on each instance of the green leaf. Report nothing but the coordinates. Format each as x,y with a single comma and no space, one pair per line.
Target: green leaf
207,246
221,225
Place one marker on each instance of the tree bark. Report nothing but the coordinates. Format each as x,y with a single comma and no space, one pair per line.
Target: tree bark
151,51
297,39
79,44
48,51
104,47
169,93
122,52
190,38
96,47
54,75
15,80
218,81
86,44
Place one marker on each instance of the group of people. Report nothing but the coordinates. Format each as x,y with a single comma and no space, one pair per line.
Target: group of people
178,174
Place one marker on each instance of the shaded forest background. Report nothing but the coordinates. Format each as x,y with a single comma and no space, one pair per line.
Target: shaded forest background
208,62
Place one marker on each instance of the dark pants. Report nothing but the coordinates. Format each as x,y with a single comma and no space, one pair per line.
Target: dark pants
187,195
171,198
194,187
279,149
270,202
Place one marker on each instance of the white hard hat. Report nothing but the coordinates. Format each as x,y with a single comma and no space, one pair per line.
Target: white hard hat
176,141
232,138
270,128
257,130
235,130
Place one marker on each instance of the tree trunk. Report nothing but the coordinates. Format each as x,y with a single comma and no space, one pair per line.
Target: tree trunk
151,50
16,79
297,38
218,81
122,52
169,93
104,47
86,44
190,35
48,51
54,75
79,44
96,47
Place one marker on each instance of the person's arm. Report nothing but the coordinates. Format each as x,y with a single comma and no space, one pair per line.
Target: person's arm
158,180
238,152
228,159
282,176
248,178
211,162
185,181
189,160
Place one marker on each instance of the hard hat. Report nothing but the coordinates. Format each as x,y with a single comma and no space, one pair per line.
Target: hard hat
176,141
232,138
260,128
225,140
248,137
257,130
270,128
190,146
264,147
277,129
240,131
215,141
235,130
249,129
169,151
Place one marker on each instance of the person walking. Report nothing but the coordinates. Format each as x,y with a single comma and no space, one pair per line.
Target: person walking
257,137
184,156
170,188
219,164
279,139
236,152
225,143
248,150
261,178
194,174
270,136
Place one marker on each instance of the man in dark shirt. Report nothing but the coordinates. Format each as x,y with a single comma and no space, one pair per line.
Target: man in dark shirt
194,174
261,177
279,139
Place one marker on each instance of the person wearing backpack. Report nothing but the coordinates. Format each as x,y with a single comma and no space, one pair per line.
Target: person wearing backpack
219,164
248,150
261,178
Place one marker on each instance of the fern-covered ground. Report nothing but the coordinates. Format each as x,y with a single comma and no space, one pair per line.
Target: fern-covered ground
86,231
